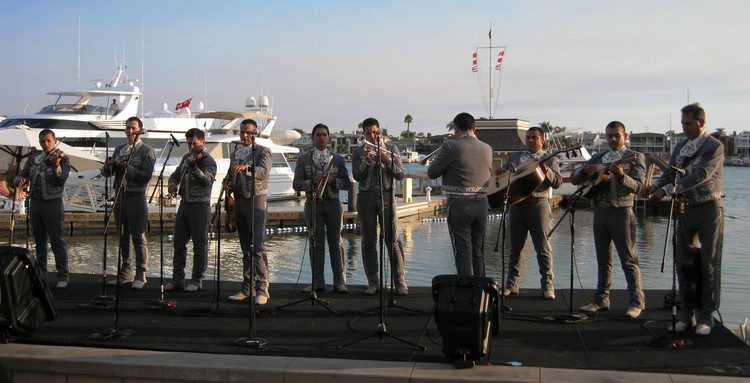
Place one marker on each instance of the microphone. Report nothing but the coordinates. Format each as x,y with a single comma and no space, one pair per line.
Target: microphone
139,132
174,140
677,170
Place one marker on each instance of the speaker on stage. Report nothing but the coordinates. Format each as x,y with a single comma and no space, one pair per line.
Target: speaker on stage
25,298
466,313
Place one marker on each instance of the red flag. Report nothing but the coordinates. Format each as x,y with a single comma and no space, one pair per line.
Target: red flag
184,104
500,60
475,67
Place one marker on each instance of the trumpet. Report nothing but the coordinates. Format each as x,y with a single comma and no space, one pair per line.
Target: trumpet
321,187
362,141
424,160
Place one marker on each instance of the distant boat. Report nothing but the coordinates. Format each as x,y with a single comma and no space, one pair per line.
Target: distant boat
409,155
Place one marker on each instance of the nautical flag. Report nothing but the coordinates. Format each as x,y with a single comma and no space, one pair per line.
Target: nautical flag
475,66
184,104
500,60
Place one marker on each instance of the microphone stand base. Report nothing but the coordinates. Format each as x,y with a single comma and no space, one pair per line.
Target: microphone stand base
254,343
567,318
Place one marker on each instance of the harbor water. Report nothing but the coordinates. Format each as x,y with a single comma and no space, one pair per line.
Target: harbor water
428,253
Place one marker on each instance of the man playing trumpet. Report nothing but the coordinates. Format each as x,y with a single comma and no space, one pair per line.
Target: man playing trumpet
45,172
321,174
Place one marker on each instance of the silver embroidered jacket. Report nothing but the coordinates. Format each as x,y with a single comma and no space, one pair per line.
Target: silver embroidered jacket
139,171
703,171
258,160
45,181
306,169
618,193
553,178
194,182
366,171
465,165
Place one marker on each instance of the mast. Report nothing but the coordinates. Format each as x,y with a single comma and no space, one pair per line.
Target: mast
491,70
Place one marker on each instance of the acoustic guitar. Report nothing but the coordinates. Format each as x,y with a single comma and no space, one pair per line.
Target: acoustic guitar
599,181
524,179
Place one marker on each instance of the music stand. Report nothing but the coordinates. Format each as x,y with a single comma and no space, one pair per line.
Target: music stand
313,231
570,317
251,341
381,330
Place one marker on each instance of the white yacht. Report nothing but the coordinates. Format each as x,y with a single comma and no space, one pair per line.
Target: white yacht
90,119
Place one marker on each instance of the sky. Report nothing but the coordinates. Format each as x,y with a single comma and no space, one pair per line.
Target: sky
577,64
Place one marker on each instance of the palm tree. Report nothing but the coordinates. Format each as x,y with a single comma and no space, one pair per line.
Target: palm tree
408,119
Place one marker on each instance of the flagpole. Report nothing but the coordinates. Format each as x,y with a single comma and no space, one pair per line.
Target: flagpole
491,70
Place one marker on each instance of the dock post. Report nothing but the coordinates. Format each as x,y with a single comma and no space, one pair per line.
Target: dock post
352,197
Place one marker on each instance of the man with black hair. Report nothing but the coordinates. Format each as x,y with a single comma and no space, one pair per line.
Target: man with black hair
46,172
132,164
465,163
251,162
192,181
371,162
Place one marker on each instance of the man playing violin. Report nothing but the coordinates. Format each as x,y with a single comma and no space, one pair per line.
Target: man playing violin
192,181
321,175
614,220
132,164
45,172
251,162
532,215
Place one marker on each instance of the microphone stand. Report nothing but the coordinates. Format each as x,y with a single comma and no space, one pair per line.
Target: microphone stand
313,296
381,331
115,332
673,341
501,233
251,341
107,213
570,317
160,303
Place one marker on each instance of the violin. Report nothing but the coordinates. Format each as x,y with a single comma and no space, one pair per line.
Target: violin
56,158
230,220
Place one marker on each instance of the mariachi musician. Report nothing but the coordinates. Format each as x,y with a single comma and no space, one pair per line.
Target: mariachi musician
46,172
322,174
192,180
532,214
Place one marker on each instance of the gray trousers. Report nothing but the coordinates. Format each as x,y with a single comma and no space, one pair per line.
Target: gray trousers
133,226
368,208
467,219
530,216
616,225
253,253
191,222
706,224
330,214
46,217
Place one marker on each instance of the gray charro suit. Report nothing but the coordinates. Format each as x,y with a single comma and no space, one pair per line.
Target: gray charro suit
466,167
192,216
367,173
614,221
532,216
327,212
704,221
131,218
249,211
46,213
